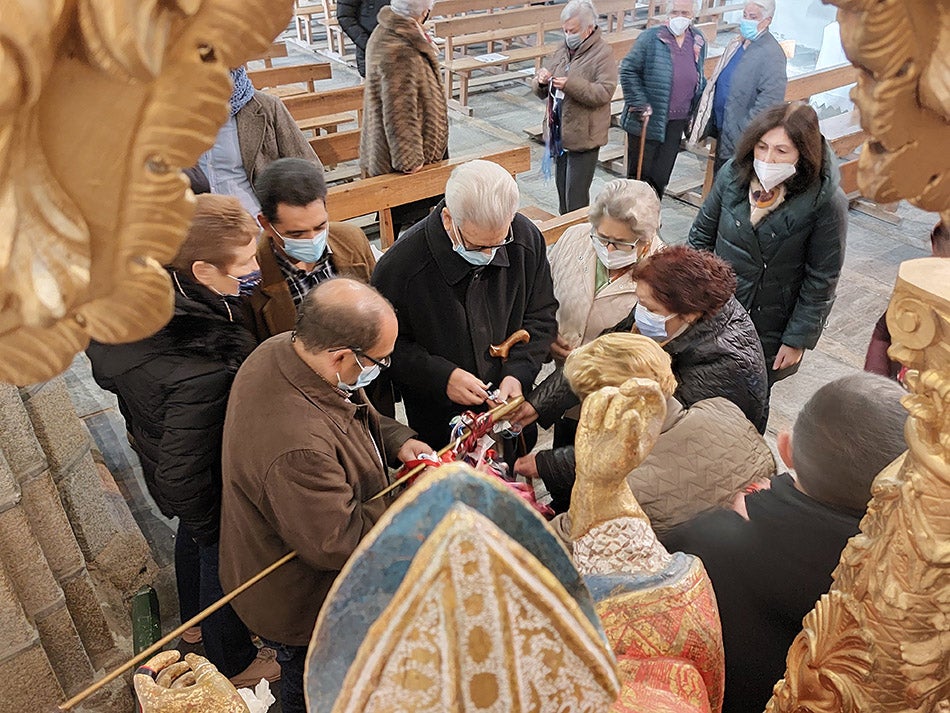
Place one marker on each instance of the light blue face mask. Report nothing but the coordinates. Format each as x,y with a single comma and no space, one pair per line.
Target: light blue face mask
749,29
650,324
305,249
367,374
472,257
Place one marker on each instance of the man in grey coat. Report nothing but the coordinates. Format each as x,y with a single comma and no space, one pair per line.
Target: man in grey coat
750,77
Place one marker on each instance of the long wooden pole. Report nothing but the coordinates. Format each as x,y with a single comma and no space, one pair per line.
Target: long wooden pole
497,412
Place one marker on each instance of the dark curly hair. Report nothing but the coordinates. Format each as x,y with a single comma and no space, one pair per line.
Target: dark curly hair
801,124
685,280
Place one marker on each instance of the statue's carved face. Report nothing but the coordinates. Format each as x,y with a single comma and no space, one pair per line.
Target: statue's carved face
102,102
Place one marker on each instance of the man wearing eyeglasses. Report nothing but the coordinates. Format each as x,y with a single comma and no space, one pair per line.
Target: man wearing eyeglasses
299,246
466,277
303,451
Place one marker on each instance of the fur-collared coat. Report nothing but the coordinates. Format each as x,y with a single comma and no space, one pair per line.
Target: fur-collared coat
173,390
405,121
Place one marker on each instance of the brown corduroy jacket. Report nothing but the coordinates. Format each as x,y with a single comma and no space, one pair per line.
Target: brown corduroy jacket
270,307
405,122
591,81
298,462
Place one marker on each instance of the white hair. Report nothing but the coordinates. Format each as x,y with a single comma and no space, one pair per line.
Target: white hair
632,202
481,193
582,9
411,8
693,3
768,6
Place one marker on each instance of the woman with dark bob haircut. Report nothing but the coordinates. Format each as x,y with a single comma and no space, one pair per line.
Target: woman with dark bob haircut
777,214
685,302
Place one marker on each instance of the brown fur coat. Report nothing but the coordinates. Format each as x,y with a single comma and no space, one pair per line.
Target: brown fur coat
405,122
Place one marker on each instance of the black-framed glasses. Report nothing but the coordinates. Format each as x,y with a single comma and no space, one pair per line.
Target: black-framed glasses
618,244
468,247
383,363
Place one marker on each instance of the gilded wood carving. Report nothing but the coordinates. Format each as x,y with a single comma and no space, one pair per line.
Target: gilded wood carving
880,639
101,103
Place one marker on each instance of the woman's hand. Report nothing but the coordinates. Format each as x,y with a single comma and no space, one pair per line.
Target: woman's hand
527,467
559,82
544,76
787,356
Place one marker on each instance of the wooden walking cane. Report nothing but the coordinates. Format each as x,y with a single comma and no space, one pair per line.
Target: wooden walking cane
645,119
496,413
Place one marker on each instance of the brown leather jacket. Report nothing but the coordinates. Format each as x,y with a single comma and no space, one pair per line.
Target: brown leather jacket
270,307
298,462
591,81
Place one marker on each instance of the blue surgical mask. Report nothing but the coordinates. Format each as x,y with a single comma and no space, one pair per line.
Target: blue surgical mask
306,249
367,374
650,324
247,283
749,29
473,257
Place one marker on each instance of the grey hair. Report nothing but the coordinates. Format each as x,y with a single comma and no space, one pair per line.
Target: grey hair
632,202
693,3
481,193
583,9
411,8
846,433
768,6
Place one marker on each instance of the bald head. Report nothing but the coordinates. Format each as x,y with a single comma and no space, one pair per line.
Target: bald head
342,313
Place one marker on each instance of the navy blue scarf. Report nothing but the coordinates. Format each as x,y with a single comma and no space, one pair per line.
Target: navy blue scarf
243,89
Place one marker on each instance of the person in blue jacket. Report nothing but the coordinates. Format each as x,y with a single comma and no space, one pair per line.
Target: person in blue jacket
662,77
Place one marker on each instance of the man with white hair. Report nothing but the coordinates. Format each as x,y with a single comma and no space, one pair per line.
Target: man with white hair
466,277
751,76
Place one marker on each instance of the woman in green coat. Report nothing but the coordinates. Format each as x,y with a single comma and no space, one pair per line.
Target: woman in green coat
777,214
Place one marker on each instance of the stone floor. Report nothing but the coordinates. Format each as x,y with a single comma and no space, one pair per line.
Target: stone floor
875,250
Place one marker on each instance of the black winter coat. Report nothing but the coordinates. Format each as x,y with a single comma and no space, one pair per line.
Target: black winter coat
768,572
357,19
787,267
450,312
720,356
173,390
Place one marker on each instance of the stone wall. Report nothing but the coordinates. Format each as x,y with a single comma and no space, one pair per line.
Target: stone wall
71,556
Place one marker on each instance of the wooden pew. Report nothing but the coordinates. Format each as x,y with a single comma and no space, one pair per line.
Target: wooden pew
280,80
275,51
327,110
507,24
554,227
303,19
383,193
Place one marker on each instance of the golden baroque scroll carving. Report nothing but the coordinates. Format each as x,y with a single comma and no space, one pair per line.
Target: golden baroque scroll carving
902,48
880,640
101,103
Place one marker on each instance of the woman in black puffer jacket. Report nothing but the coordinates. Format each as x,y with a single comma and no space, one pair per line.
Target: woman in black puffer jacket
173,390
686,303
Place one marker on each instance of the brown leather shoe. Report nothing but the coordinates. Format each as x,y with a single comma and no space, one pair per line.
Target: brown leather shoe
263,666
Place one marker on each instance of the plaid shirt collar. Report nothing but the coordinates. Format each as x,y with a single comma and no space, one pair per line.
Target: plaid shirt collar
300,282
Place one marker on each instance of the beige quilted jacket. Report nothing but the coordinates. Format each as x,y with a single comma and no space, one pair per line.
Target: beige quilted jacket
703,457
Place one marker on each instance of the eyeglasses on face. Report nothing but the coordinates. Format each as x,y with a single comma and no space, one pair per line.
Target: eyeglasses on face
618,244
468,247
381,363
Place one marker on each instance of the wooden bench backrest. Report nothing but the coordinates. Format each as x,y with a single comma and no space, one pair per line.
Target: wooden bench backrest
334,101
517,17
276,50
294,74
451,8
338,147
382,193
820,80
554,228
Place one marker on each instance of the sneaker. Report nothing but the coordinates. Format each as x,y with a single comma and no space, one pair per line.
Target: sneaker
192,635
263,666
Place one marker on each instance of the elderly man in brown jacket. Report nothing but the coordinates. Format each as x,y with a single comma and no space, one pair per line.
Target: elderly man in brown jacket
578,82
300,247
303,452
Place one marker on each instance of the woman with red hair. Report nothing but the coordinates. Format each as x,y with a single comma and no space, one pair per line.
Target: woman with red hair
686,302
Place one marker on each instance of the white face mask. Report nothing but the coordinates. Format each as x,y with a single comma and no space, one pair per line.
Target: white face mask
678,25
614,259
772,174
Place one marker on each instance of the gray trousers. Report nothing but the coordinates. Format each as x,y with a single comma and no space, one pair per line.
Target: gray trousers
575,171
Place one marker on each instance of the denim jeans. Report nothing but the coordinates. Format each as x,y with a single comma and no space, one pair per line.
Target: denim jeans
292,660
227,642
